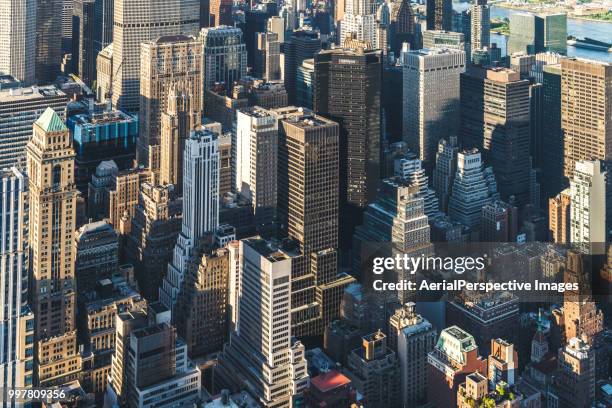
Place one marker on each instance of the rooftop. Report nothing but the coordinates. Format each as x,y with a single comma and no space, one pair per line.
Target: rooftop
330,380
49,121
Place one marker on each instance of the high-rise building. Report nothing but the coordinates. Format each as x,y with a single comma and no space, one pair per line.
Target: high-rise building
502,363
348,91
137,22
18,39
52,219
267,57
473,187
16,319
305,84
224,55
444,172
499,222
220,13
559,217
84,42
453,358
200,208
431,98
410,168
588,207
103,16
361,27
414,337
261,352
302,45
402,26
576,374
534,33
170,62
308,213
48,40
495,118
182,115
374,372
256,150
481,25
439,15
19,109
552,136
122,192
445,39
96,246
586,92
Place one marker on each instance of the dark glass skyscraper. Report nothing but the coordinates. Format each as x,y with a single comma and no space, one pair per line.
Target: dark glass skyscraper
552,137
439,15
302,45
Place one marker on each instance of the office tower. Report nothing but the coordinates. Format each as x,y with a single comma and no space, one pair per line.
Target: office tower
453,358
97,190
267,57
502,363
123,194
66,27
488,315
200,208
586,123
220,13
255,20
150,362
260,352
410,169
576,374
401,26
361,27
103,136
48,40
473,187
373,370
137,22
302,45
431,98
276,25
588,207
154,228
308,213
304,84
96,246
226,169
84,44
18,39
439,15
559,217
534,33
104,75
499,222
348,91
552,136
445,39
19,109
171,62
495,115
16,319
481,25
257,143
462,23
103,16
414,337
50,161
224,56
444,172
202,304
182,115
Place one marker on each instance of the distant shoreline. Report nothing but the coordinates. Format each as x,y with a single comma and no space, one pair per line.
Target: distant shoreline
570,15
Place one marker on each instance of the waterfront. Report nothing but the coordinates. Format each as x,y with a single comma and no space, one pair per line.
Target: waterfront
576,27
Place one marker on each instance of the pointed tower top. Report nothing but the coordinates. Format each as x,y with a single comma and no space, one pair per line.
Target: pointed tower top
49,121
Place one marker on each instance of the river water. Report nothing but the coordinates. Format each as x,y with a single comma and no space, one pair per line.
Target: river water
578,28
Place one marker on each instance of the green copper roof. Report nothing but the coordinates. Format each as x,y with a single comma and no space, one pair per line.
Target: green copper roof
49,121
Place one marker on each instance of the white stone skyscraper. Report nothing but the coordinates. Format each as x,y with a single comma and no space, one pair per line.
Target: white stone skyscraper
139,21
16,320
18,39
200,207
588,207
481,25
411,169
359,21
431,98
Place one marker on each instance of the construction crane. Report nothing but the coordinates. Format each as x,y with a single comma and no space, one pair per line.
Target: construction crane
109,94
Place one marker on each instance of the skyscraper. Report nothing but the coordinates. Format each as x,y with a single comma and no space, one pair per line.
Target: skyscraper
534,33
96,247
588,208
552,136
481,25
200,207
16,319
348,91
267,56
220,13
431,99
586,111
52,217
410,169
445,39
103,16
559,217
84,42
303,44
444,172
402,27
439,15
48,40
261,352
224,56
576,374
18,39
495,118
166,63
139,21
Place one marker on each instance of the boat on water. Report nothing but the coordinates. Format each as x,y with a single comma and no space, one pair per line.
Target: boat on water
590,44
